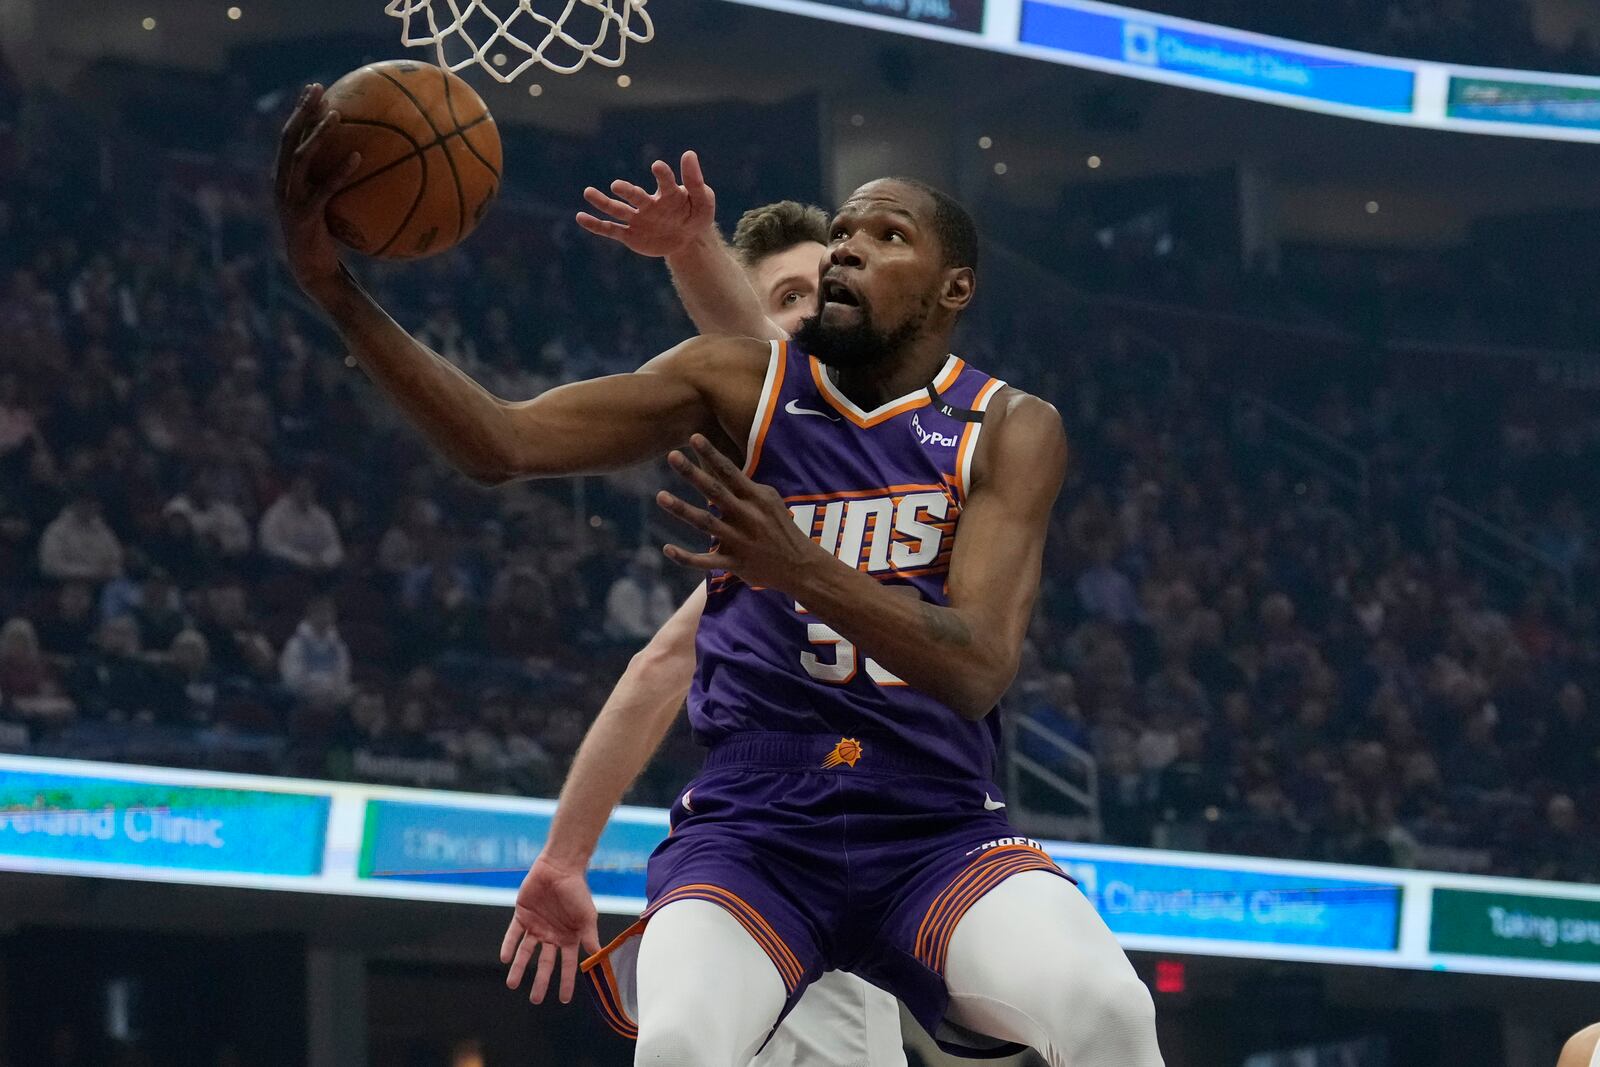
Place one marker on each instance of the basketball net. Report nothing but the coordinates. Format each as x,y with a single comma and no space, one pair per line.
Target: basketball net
507,45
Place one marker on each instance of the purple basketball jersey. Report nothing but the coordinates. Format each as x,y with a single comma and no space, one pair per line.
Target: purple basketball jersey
882,490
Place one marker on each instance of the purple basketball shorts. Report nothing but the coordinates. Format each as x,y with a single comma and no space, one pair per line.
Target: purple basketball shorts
834,857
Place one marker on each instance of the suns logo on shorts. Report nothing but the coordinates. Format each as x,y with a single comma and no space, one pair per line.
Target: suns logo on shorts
847,752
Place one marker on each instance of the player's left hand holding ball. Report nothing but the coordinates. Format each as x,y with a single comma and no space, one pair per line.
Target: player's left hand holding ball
755,535
303,202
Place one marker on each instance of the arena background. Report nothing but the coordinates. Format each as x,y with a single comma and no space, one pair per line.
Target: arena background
1310,703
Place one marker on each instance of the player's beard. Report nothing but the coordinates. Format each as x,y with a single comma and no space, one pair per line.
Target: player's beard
856,346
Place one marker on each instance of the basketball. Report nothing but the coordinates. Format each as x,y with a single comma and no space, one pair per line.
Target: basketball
430,159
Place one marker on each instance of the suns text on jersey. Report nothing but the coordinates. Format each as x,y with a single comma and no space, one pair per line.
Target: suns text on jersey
901,531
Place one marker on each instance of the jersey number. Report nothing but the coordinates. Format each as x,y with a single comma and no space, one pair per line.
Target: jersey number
844,662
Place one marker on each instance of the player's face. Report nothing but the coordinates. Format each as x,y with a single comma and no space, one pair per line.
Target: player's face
881,277
787,284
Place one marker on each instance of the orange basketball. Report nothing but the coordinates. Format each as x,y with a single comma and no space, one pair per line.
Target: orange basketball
430,159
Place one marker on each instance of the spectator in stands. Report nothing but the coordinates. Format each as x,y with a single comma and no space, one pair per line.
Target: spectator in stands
116,682
1104,591
524,621
1185,790
408,542
1125,811
66,625
18,428
1174,693
190,662
299,533
1570,749
1209,661
563,732
1560,848
158,609
445,334
1476,760
215,522
28,682
79,545
238,647
413,734
315,664
174,549
1055,707
121,594
639,602
445,616
369,718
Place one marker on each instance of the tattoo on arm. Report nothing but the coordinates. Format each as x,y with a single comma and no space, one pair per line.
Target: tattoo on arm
945,625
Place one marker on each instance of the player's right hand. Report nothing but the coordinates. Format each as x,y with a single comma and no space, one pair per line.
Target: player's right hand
554,916
303,201
659,223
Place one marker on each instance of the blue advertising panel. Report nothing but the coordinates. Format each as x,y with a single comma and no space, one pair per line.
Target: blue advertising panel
484,847
1533,103
1238,905
1217,56
152,824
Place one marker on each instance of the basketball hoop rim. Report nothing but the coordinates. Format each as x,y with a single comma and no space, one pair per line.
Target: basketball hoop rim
457,30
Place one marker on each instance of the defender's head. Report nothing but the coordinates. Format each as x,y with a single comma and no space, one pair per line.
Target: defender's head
779,246
902,264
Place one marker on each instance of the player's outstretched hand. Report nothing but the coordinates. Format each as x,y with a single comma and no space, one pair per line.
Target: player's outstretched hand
659,223
755,535
554,917
302,200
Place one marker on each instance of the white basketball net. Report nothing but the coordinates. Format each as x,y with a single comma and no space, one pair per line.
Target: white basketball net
505,46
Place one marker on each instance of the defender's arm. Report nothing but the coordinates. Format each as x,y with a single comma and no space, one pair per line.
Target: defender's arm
554,907
678,222
627,732
716,292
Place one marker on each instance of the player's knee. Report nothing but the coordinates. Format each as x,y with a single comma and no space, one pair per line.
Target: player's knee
1116,1014
1128,1003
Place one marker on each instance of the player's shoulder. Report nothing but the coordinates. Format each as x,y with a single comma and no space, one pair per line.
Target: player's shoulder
1018,417
1022,439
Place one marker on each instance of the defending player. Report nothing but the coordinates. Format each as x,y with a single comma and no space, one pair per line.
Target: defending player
841,1020
847,816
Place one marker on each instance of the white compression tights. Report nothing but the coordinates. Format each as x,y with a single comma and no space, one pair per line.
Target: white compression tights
708,994
1030,962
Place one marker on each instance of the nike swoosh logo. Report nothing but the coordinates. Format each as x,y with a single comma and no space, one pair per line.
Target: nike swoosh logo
793,407
992,805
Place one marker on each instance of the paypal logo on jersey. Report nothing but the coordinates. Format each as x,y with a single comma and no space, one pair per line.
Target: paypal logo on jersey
928,437
907,532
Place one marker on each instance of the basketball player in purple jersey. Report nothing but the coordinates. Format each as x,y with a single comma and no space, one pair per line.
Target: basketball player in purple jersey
851,653
764,285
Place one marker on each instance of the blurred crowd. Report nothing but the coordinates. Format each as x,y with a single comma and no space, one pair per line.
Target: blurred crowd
219,549
1264,660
